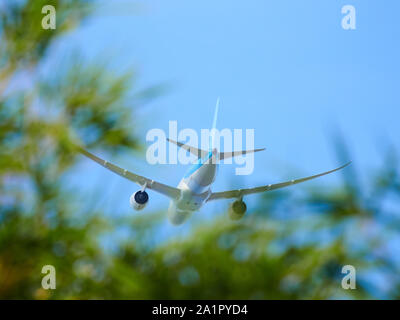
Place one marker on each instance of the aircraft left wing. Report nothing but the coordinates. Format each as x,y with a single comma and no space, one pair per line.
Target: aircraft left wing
164,189
242,192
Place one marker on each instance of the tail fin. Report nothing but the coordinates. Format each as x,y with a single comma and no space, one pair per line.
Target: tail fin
200,153
214,127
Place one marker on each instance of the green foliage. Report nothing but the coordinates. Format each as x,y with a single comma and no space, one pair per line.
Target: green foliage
38,125
289,247
24,41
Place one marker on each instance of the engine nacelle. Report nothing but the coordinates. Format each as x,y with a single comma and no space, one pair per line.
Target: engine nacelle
237,209
138,200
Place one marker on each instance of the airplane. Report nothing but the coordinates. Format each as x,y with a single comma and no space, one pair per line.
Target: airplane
194,190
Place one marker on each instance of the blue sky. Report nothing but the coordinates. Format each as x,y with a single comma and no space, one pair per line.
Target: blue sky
284,68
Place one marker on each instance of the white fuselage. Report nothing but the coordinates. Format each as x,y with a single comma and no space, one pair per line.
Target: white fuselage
196,188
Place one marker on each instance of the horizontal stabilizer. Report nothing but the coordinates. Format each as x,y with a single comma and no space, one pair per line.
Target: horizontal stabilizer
227,155
199,153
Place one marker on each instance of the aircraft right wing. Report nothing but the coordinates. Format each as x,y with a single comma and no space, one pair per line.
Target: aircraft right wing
159,187
242,192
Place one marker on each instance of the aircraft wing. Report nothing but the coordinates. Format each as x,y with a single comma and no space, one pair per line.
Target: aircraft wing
242,192
168,191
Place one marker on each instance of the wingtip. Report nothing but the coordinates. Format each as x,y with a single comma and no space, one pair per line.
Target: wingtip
346,164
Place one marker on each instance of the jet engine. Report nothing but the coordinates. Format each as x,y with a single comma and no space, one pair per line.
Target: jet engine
138,200
237,209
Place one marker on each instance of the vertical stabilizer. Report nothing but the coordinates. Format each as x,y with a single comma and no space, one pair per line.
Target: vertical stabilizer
214,126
